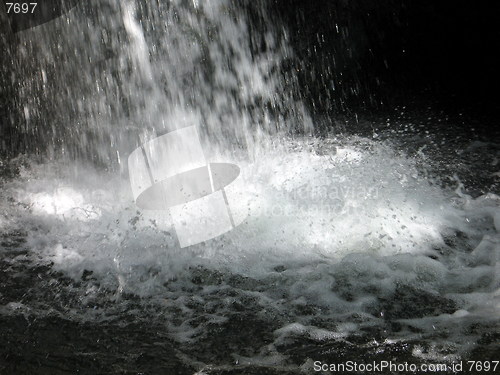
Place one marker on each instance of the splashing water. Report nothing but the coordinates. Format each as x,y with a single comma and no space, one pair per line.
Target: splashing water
345,236
151,68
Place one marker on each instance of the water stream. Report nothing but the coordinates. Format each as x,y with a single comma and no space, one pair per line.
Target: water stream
354,247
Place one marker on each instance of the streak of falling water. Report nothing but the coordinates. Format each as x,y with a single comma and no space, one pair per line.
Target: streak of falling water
108,75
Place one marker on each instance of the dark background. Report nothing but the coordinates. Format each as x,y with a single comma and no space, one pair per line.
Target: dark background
382,53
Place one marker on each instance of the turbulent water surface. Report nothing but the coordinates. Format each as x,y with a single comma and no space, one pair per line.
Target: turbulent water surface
381,246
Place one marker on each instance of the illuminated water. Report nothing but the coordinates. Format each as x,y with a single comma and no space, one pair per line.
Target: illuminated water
355,248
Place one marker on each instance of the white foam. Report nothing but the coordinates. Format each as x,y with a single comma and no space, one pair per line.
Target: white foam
346,231
329,205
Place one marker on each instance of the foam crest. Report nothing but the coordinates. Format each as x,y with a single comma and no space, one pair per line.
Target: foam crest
351,234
